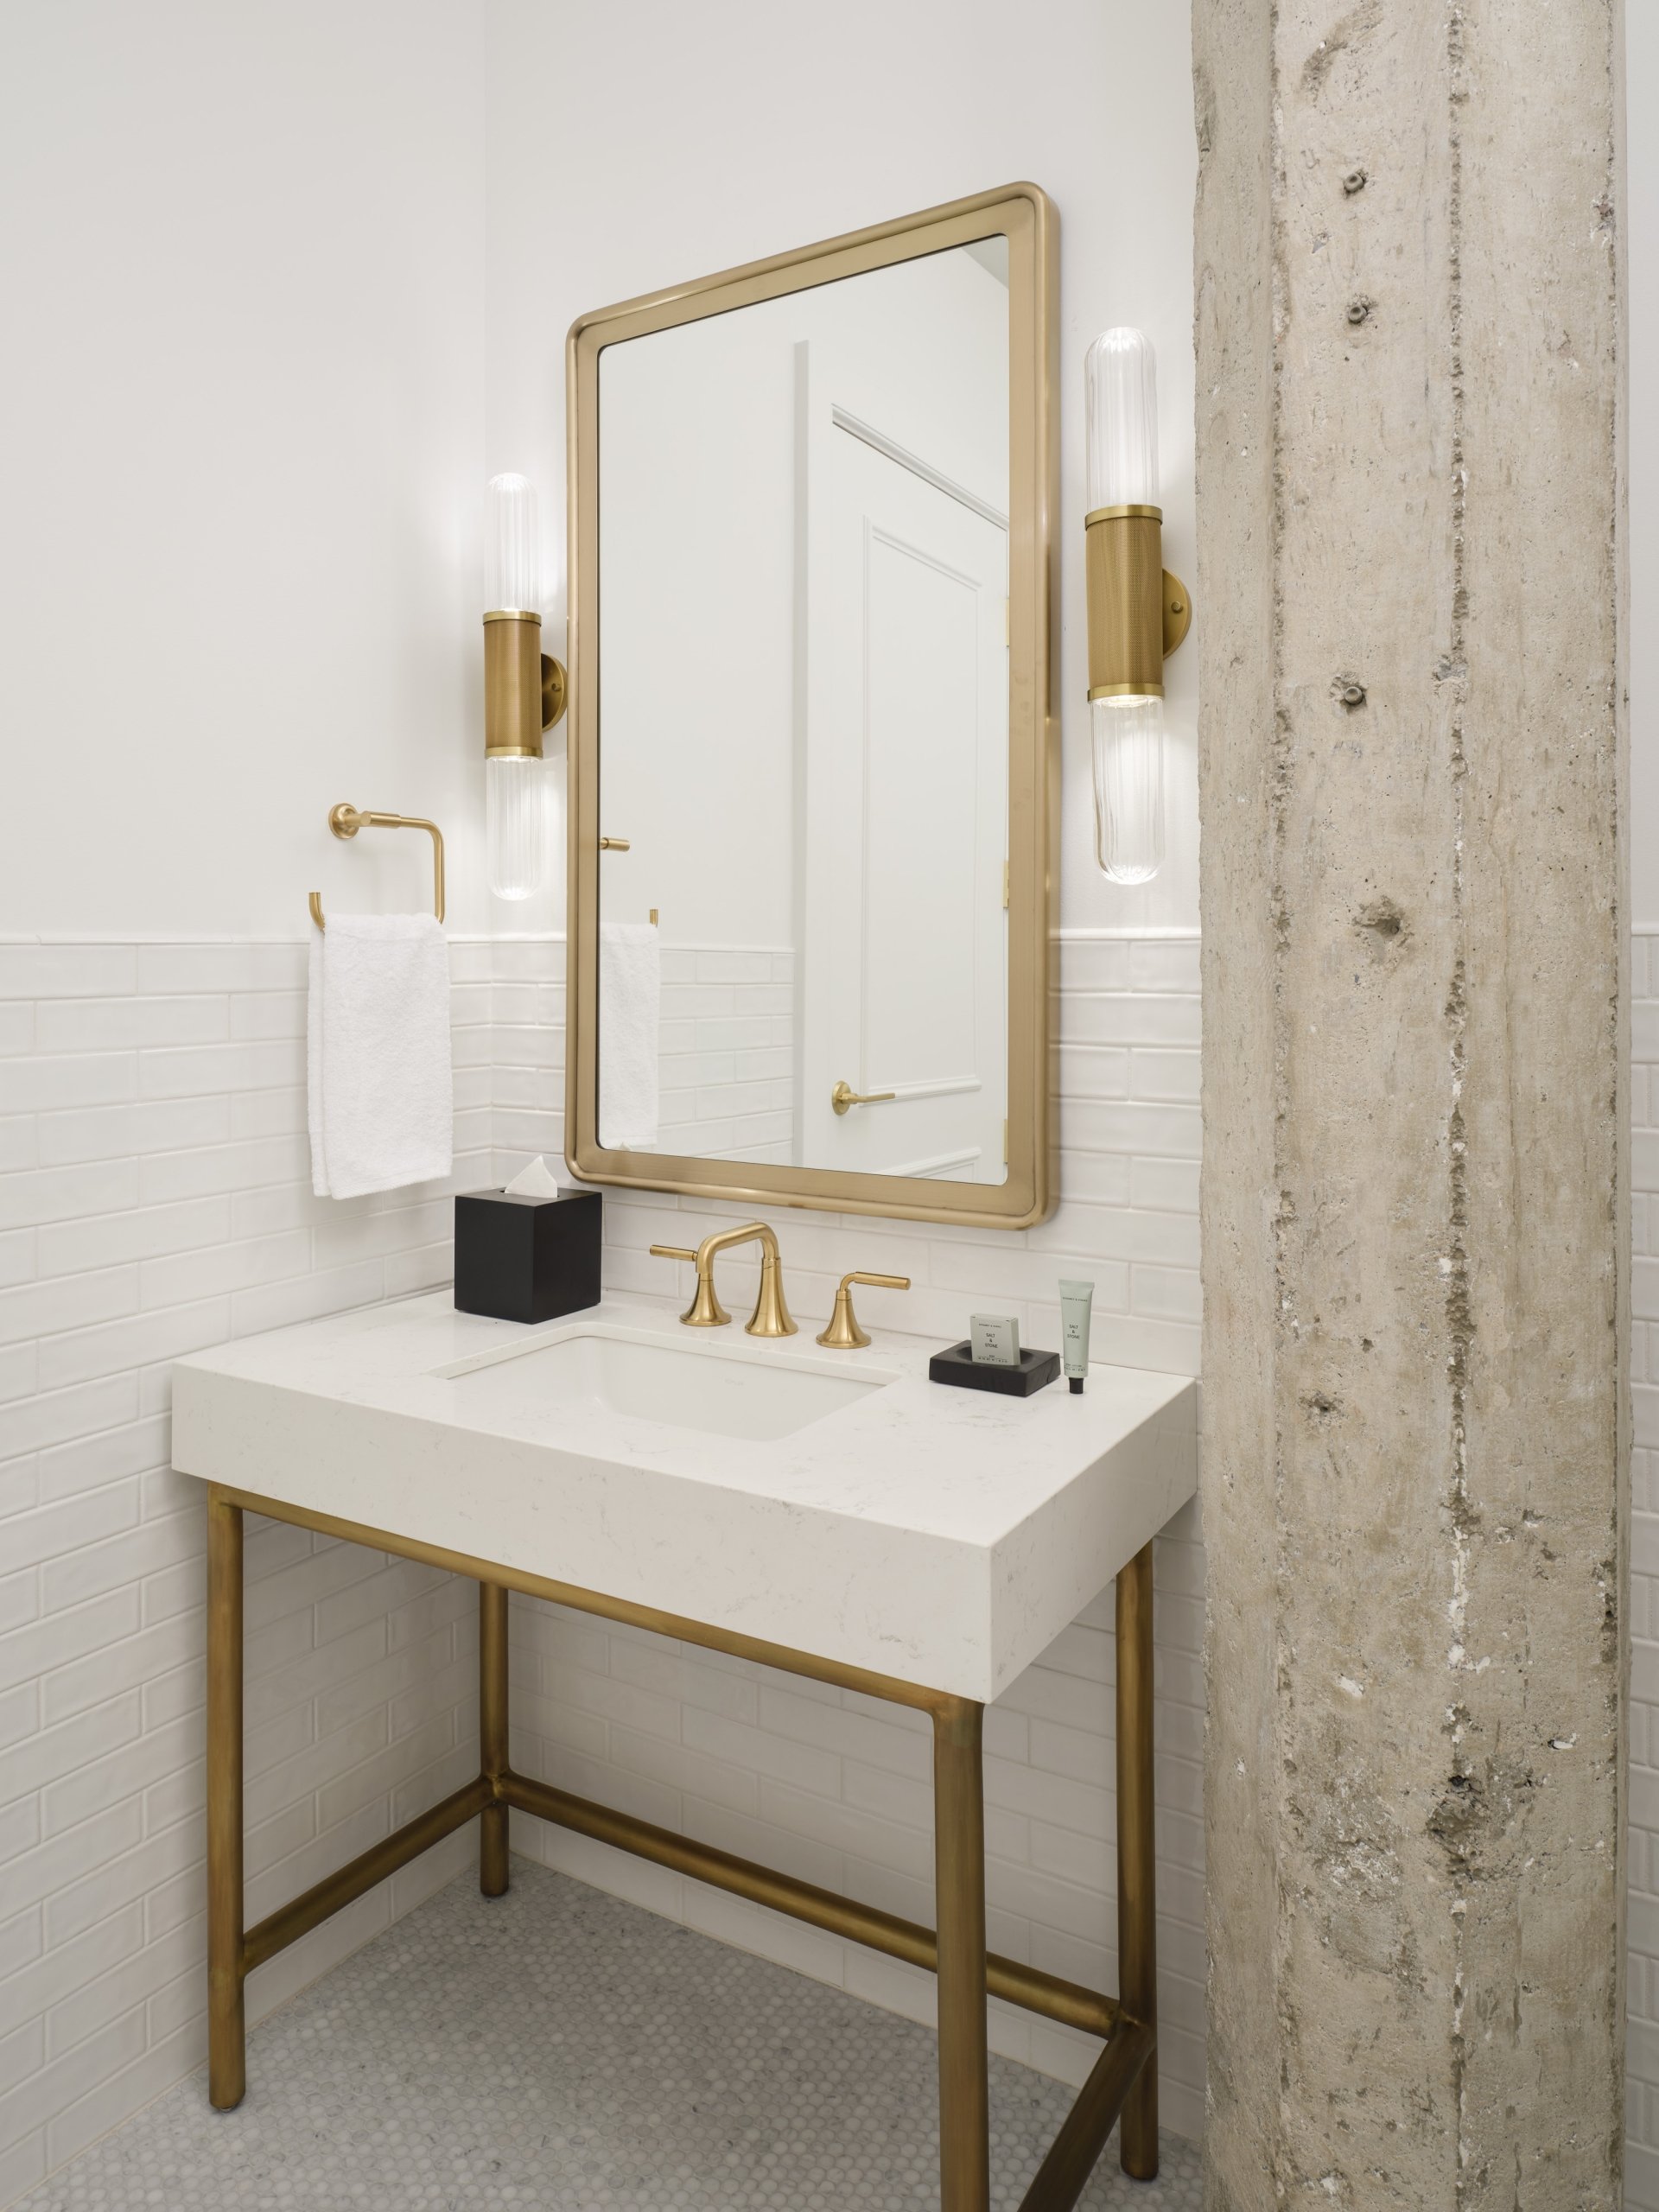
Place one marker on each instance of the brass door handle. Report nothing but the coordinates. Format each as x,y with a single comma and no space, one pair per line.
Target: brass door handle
613,845
844,1095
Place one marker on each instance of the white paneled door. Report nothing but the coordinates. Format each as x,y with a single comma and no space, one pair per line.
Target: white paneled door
904,784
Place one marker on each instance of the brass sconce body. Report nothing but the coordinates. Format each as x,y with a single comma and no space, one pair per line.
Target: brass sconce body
1138,612
523,687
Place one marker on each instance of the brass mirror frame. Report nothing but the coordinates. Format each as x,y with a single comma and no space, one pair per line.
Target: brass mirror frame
1024,215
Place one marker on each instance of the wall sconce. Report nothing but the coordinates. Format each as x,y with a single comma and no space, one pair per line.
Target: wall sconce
1138,613
524,691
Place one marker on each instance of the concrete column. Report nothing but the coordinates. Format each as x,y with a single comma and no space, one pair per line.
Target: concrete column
1412,765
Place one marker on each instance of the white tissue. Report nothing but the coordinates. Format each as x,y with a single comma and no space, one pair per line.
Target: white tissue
536,1182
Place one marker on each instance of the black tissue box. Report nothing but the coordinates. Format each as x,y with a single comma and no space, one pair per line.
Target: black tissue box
527,1259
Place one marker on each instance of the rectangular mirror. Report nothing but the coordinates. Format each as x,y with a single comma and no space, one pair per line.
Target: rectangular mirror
811,772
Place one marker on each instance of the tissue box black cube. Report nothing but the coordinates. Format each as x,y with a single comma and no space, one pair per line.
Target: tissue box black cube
527,1259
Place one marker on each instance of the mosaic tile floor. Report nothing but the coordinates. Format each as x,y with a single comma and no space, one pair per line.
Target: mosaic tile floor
557,2050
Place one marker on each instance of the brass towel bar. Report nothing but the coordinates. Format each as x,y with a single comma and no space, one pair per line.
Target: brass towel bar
345,820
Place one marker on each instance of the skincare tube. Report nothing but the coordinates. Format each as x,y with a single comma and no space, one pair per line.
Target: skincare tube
1076,1300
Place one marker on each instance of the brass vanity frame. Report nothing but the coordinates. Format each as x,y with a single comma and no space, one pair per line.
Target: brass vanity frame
1024,215
1124,2080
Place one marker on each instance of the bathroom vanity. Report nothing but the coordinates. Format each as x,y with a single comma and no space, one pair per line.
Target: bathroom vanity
832,1513
810,964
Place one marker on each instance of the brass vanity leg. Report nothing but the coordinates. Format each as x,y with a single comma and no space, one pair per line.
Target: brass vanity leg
959,1869
493,1734
226,2029
1137,1892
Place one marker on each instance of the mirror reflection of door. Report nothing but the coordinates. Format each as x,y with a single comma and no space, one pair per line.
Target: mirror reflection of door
802,671
904,774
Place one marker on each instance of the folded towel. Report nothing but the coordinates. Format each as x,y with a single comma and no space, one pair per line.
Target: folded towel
630,992
381,1089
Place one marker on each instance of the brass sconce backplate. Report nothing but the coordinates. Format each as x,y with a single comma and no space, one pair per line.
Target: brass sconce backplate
1178,613
553,690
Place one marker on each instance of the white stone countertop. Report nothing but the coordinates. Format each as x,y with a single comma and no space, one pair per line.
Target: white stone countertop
941,1535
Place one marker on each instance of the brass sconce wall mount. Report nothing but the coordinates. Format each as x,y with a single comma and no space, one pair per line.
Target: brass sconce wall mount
1138,612
524,691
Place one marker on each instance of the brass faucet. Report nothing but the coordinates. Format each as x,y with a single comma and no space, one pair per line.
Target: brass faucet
770,1314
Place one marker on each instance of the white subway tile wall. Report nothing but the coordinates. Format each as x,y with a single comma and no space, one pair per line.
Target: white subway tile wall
1129,1014
154,1196
726,1052
1642,2037
827,1784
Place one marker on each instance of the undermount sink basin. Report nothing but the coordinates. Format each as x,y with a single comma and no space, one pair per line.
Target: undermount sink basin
761,1395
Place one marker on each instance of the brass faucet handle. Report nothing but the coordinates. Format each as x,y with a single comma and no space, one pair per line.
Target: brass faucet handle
705,1311
843,1333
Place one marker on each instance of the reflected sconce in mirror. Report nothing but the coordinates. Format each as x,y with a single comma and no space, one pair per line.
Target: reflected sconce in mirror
1138,613
524,691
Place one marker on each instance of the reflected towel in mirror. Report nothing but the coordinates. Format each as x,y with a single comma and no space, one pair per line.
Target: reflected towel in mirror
630,993
380,1086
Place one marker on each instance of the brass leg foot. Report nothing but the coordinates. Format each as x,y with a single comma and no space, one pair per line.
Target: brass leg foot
1137,1891
959,1865
226,2031
493,1733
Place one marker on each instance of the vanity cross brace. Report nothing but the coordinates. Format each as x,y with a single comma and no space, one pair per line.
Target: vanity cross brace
1124,2079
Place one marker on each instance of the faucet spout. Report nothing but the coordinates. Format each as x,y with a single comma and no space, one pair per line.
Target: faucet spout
771,1316
771,1312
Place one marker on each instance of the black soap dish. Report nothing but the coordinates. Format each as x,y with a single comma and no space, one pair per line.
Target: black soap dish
1036,1370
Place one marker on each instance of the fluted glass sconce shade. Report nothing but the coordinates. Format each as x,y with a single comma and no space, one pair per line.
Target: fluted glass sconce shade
512,565
1120,392
515,792
516,821
1126,709
1128,746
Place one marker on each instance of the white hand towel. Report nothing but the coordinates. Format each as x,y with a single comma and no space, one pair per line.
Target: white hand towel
629,993
380,1083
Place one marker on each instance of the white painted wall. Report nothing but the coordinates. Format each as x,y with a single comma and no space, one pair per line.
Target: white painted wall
241,259
686,140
